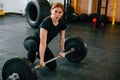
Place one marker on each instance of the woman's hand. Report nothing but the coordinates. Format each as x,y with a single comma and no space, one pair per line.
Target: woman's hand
62,54
42,63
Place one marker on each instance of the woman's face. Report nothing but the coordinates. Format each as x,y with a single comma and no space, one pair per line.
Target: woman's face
57,13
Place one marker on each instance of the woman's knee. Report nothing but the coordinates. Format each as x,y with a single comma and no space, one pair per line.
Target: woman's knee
30,45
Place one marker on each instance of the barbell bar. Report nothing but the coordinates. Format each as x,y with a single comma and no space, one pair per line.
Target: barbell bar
71,50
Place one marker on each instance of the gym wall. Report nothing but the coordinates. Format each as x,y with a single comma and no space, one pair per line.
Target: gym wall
82,7
52,1
110,10
14,6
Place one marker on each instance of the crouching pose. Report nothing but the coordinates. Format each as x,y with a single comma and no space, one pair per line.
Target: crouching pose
48,29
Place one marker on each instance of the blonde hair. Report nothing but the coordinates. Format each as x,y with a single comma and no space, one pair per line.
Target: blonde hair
57,4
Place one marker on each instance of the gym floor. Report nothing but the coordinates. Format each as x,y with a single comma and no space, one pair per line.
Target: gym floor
101,63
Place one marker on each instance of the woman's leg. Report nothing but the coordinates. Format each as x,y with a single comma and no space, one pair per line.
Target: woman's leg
49,55
31,46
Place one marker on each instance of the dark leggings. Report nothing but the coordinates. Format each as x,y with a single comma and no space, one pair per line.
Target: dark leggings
32,47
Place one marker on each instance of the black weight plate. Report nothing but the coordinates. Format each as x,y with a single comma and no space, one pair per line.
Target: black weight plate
80,49
21,66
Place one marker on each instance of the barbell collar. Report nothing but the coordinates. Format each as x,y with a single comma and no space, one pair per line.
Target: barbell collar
14,76
67,52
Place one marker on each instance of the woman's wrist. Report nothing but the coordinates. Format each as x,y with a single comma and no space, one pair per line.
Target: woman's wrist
62,50
41,60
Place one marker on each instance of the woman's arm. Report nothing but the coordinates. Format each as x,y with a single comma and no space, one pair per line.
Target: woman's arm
62,40
42,46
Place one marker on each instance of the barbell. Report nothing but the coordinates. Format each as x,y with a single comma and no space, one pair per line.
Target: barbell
22,69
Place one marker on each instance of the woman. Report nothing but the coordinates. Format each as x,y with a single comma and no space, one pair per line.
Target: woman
48,29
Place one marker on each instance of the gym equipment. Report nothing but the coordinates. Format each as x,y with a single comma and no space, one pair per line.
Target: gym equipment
80,49
72,17
36,11
94,20
99,9
83,17
69,9
22,69
103,18
19,66
91,16
114,11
